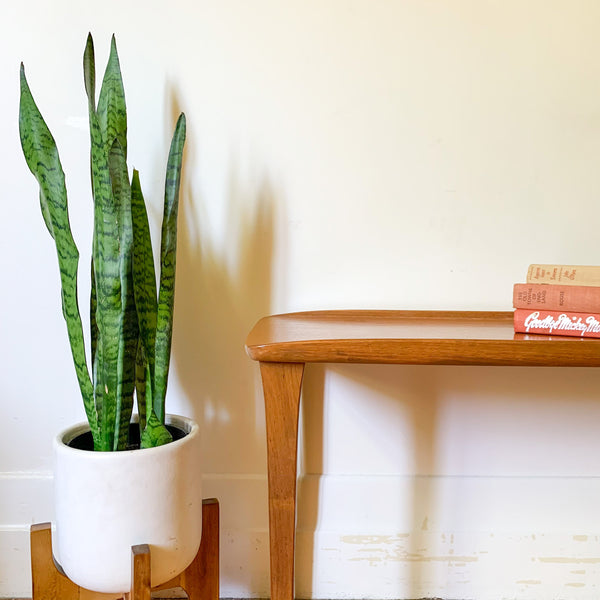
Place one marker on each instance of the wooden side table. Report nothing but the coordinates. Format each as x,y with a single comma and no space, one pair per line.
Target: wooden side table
283,344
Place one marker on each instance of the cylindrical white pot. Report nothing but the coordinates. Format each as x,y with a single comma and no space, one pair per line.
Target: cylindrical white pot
107,502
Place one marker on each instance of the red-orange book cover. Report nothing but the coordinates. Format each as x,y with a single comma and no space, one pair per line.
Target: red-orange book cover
575,298
549,322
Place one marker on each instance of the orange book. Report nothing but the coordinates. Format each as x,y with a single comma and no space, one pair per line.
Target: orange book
549,322
576,298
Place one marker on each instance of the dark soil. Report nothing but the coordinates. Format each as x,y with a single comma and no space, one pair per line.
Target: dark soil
85,441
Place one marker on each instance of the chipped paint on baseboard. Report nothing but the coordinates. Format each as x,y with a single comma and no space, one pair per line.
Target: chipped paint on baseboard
569,560
444,537
373,539
451,564
378,548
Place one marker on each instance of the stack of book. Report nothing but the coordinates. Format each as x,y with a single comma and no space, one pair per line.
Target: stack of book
559,300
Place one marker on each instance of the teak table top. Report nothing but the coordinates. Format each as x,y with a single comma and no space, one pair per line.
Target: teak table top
412,337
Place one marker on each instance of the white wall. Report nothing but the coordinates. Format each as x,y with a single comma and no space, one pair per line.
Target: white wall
408,154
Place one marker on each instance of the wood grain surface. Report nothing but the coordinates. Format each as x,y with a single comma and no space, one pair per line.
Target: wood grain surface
412,337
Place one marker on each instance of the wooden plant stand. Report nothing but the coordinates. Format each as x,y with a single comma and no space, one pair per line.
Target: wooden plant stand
200,580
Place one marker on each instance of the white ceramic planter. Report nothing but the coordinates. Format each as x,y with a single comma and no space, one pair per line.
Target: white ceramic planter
107,502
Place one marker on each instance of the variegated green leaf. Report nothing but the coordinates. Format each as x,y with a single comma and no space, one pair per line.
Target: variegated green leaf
106,249
166,294
99,392
89,71
43,160
128,330
141,385
143,272
106,282
112,113
155,434
93,309
46,213
89,78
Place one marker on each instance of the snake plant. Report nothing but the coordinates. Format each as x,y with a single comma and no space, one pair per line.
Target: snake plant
130,320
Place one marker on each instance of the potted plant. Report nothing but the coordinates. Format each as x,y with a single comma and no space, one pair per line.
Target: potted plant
118,483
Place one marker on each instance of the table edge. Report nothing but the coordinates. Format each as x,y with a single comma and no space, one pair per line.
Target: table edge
543,350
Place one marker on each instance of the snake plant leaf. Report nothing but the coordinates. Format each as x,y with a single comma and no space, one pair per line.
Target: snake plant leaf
41,155
166,294
89,70
98,391
128,330
106,283
143,272
89,78
145,299
142,381
46,213
96,339
106,253
93,309
155,434
112,112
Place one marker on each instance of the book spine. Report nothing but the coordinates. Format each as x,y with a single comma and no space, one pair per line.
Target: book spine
548,322
564,274
541,296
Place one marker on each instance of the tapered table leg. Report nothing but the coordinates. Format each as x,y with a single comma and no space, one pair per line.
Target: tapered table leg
282,383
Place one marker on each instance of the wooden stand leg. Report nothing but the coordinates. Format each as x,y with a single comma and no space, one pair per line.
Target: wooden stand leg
281,387
47,582
200,580
140,569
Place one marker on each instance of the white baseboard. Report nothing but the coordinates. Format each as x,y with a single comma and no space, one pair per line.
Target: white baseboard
380,537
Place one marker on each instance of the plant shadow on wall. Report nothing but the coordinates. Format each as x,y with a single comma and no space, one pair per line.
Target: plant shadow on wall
220,295
439,435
